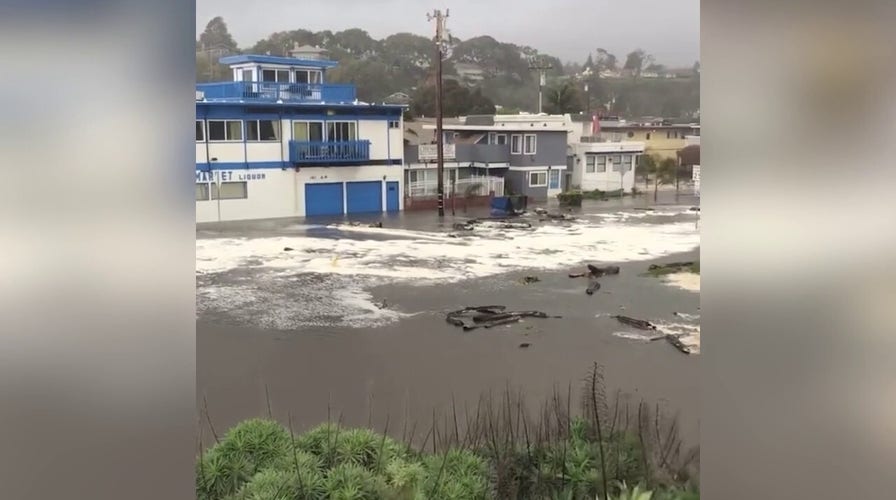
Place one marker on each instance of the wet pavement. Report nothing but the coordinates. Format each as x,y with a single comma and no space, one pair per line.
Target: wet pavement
307,326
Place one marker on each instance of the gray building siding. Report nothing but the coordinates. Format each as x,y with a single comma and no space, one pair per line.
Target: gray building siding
519,184
550,150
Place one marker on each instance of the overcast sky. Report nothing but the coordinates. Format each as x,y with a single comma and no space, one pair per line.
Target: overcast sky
568,29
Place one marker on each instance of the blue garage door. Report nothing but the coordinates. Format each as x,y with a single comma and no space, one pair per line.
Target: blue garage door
323,199
391,196
364,197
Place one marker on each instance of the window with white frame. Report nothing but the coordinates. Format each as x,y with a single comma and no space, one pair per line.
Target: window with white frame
529,144
492,138
307,76
263,130
275,75
516,144
229,190
590,162
502,139
341,131
200,131
600,163
225,130
393,124
538,179
308,131
247,75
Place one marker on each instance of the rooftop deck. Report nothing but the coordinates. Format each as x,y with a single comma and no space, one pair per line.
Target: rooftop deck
273,92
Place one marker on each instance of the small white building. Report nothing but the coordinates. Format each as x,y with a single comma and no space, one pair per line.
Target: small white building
597,163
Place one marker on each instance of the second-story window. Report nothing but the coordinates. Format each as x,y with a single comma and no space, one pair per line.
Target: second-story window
516,144
200,131
529,144
263,130
341,131
393,124
275,75
225,130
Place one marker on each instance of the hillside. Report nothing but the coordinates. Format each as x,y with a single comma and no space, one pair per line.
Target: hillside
480,73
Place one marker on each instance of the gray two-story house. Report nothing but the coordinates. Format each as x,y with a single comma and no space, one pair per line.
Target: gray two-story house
501,154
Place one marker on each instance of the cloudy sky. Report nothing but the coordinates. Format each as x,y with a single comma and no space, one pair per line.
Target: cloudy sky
568,29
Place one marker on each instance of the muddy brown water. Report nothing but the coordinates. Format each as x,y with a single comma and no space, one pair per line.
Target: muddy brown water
417,365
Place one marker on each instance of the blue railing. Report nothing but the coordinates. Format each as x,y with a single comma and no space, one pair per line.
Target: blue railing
315,153
271,91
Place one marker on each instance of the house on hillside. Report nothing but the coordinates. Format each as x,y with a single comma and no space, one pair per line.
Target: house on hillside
279,141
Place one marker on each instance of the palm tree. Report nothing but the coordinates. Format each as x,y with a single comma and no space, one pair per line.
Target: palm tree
564,98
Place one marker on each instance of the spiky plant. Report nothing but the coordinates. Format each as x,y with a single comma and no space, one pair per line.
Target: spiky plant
405,479
350,480
635,493
218,476
456,472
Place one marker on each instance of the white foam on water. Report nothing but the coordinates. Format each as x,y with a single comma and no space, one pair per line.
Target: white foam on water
344,268
688,317
640,337
685,281
688,333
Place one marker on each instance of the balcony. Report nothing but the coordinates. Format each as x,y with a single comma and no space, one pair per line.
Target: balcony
462,153
273,92
329,153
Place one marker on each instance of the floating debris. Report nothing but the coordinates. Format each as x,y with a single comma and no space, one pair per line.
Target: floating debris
637,323
530,279
288,249
592,287
597,272
576,275
524,345
473,317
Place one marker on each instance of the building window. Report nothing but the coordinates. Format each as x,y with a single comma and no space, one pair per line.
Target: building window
272,75
230,190
306,76
501,139
247,75
308,131
341,131
393,124
529,144
538,179
668,134
627,159
600,164
202,192
225,130
590,162
516,144
631,134
200,131
263,130
648,136
492,138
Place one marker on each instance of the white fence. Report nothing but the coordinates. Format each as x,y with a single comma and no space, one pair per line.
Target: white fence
474,186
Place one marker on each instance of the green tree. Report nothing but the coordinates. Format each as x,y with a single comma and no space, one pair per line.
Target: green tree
216,36
563,98
636,61
605,60
589,63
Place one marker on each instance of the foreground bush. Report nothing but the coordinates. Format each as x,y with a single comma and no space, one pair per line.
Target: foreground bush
501,453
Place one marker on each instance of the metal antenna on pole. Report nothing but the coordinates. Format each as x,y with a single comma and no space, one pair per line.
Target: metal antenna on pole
439,18
541,66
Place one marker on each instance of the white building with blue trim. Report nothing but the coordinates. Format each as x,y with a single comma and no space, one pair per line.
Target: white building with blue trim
279,141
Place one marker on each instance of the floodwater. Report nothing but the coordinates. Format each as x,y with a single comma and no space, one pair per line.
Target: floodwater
306,330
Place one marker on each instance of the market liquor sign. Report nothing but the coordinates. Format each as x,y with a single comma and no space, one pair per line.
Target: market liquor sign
227,176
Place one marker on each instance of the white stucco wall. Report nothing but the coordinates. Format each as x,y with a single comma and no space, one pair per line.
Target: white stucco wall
282,192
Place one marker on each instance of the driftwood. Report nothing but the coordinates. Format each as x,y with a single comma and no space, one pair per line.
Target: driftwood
678,344
576,275
597,272
471,318
637,323
592,287
670,265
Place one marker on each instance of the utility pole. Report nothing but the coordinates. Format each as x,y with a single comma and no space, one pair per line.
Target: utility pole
439,18
541,67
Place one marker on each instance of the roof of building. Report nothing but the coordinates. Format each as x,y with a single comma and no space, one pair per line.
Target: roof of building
277,60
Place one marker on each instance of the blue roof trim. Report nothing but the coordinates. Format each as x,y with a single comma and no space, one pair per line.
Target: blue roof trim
283,61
